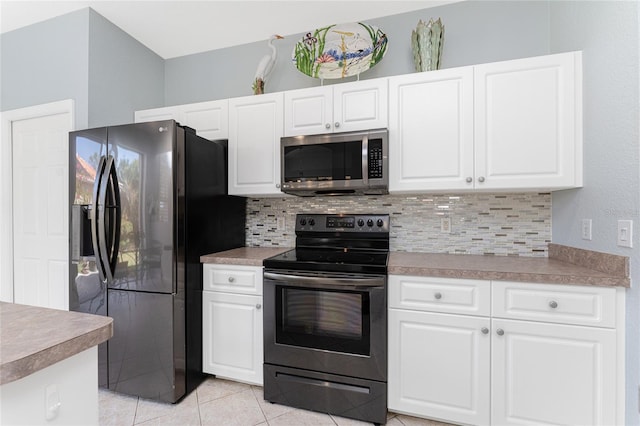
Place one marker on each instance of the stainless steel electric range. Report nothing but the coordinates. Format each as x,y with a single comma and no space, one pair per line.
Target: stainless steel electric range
325,317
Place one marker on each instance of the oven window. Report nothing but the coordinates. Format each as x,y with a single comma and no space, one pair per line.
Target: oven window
323,319
326,161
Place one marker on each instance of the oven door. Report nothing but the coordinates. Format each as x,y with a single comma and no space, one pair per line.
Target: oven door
328,322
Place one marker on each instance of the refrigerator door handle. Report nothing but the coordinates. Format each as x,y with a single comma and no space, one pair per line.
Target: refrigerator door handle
114,232
104,259
95,217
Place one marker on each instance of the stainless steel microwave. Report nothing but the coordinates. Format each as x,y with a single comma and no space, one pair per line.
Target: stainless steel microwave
352,163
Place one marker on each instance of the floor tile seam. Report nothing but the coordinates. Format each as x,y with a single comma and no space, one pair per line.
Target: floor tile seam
253,392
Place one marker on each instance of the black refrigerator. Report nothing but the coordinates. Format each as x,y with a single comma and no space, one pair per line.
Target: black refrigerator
147,200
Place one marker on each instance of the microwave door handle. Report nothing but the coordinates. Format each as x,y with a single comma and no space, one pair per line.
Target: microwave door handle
365,160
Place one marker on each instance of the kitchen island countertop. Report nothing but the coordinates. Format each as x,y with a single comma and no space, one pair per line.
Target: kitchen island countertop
565,265
33,338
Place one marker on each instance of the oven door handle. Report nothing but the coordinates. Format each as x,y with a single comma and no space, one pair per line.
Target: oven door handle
327,281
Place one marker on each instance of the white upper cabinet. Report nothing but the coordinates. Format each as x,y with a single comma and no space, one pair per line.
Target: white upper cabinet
255,129
528,121
157,114
345,107
209,119
431,130
499,126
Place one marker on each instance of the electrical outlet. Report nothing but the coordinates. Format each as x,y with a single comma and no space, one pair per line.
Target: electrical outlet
445,225
586,229
280,223
625,233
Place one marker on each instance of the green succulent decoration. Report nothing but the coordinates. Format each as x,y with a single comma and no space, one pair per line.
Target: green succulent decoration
426,45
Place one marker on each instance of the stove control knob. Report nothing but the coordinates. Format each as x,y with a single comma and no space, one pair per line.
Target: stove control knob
370,222
379,223
360,222
303,222
312,222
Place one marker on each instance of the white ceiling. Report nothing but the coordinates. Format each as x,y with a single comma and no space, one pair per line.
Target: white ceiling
177,28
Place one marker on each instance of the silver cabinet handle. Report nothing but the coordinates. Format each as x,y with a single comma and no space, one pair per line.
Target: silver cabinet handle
499,332
327,126
337,124
469,179
277,185
438,295
481,179
231,279
484,330
553,304
258,306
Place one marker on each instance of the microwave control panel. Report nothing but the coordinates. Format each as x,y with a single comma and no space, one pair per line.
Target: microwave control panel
375,159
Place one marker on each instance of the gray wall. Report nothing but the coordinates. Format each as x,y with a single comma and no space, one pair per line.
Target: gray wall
475,32
608,34
84,57
124,75
47,62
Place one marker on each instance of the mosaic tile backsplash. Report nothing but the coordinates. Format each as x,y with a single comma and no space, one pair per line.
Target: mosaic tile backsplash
499,224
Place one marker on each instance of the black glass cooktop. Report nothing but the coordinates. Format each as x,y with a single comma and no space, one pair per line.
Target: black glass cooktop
332,260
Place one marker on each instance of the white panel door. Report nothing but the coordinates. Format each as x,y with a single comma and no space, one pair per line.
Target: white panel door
210,119
157,114
40,210
232,336
361,105
527,115
308,111
550,374
431,131
255,129
439,366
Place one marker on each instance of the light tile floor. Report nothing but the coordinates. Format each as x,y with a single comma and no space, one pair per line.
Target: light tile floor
223,402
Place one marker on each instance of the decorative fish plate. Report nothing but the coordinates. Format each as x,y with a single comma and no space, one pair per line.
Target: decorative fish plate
339,51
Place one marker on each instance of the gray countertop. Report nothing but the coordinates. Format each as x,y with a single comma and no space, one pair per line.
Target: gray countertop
565,265
249,256
33,338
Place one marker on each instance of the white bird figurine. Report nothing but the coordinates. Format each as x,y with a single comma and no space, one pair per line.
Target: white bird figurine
265,67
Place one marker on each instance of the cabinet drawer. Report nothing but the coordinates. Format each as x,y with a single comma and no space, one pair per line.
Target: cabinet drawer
233,279
449,295
580,305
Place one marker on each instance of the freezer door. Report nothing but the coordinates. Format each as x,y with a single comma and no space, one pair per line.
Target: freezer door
144,162
146,355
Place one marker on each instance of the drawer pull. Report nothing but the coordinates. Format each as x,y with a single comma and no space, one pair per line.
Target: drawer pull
258,306
231,279
484,330
499,332
553,304
438,295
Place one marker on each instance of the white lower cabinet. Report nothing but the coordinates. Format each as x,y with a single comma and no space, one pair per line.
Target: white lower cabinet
552,374
232,322
545,355
438,366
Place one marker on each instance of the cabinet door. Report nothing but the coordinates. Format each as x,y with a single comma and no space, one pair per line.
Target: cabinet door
361,105
439,366
308,111
157,114
232,336
255,129
528,123
550,374
210,119
431,131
